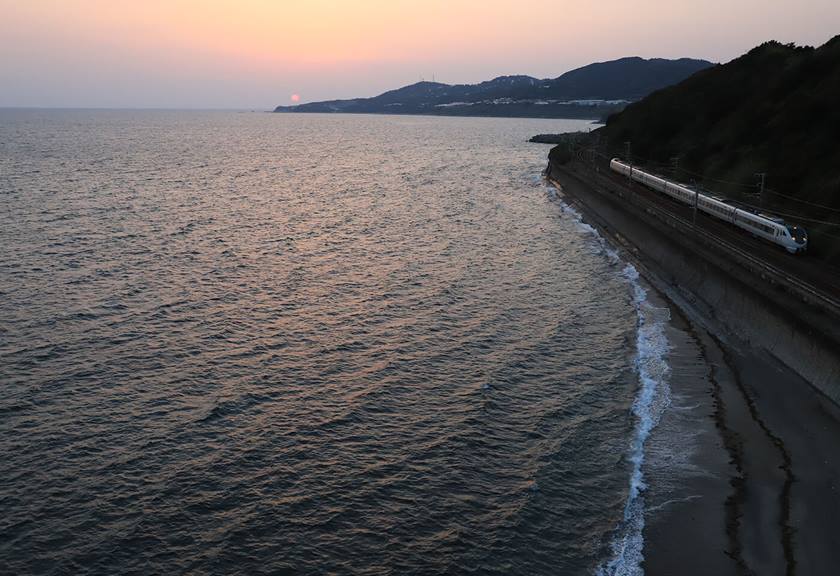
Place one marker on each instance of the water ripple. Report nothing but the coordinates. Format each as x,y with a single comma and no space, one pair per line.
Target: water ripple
246,344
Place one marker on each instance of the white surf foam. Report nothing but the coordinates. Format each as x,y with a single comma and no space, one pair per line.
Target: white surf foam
653,398
598,244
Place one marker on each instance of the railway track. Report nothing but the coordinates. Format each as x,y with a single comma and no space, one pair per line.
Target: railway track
796,274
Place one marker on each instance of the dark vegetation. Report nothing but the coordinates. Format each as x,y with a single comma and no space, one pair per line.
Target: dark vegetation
774,110
625,80
557,138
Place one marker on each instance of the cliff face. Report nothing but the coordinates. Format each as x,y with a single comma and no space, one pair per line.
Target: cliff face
593,91
774,110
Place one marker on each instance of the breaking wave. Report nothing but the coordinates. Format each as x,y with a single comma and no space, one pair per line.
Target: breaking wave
652,400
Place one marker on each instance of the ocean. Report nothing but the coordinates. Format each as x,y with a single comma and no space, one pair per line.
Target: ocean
251,343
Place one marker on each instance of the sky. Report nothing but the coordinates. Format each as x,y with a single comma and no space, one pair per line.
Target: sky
257,54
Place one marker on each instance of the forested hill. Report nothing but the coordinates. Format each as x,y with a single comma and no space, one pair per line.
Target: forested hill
774,110
592,91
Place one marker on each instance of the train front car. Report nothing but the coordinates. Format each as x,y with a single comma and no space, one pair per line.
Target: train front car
798,237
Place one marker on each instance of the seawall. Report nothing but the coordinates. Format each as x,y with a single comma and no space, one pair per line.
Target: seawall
732,298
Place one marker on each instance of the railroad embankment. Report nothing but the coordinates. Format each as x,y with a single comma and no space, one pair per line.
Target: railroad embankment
733,294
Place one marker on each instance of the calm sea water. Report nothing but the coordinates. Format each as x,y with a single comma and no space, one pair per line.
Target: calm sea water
253,343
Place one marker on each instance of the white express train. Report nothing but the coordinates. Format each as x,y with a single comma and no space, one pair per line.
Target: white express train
792,238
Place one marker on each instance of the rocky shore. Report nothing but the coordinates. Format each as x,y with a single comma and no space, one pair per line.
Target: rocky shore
550,138
765,492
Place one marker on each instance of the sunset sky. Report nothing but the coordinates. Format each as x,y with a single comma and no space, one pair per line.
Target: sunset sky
259,53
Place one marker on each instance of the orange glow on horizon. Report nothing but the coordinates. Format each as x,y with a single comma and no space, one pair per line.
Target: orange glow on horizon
305,33
269,31
226,51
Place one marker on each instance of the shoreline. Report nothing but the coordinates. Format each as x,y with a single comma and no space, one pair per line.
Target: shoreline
695,467
767,507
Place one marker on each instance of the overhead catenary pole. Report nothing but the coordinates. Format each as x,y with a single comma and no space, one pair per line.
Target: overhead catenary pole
628,154
675,165
596,146
761,175
696,198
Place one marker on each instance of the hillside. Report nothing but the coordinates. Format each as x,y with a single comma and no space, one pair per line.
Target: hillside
593,91
773,110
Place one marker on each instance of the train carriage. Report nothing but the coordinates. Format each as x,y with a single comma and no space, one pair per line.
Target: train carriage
791,237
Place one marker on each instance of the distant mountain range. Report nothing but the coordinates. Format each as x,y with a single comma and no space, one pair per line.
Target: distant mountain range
593,91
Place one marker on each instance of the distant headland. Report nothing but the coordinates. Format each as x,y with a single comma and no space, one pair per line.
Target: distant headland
594,91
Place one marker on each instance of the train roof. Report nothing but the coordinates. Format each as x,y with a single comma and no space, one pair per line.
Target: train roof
741,206
775,219
734,203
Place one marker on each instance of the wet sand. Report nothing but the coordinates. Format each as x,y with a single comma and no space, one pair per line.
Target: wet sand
688,468
755,489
